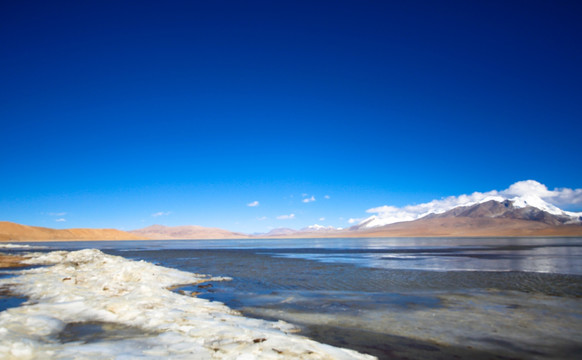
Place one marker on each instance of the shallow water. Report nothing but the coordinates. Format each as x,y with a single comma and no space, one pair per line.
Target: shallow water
394,298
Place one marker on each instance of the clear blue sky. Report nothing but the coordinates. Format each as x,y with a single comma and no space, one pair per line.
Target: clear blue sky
112,111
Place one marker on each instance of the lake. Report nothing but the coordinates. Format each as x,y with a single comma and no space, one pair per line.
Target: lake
395,298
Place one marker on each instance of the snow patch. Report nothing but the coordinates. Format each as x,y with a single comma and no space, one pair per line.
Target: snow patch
88,287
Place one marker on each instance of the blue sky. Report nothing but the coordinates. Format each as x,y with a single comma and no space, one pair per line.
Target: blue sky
112,112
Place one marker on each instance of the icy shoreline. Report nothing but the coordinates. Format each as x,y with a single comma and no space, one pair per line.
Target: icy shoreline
90,287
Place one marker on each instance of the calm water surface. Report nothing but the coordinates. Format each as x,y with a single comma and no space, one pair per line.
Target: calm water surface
395,298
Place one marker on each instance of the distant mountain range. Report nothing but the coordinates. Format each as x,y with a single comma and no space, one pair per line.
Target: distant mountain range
487,218
312,230
10,231
186,232
490,218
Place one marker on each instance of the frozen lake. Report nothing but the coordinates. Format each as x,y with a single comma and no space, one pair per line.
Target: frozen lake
393,297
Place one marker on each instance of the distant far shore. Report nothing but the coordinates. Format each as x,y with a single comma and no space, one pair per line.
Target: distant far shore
22,241
430,228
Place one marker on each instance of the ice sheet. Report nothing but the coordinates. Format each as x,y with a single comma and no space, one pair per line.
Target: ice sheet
90,287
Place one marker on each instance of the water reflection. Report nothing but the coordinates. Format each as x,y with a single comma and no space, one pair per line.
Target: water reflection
544,255
563,256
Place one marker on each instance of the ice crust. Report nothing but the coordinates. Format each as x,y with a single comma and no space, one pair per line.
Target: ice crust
89,286
20,246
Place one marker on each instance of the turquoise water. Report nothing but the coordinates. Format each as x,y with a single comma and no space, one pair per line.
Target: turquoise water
395,298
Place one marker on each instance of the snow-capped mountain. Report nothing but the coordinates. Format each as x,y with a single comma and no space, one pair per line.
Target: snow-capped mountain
317,227
312,229
527,194
509,210
186,232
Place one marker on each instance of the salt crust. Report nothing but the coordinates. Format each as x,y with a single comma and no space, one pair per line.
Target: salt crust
90,286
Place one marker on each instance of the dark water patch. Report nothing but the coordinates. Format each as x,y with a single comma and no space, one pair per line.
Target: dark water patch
10,302
97,331
330,302
530,351
8,299
557,351
6,275
386,347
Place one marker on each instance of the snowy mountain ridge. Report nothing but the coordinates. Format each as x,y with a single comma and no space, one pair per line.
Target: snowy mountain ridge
522,194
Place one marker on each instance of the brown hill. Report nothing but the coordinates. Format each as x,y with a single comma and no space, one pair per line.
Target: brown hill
160,232
10,231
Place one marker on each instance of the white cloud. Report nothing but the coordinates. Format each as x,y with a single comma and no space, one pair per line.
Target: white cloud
327,197
523,193
262,218
352,220
566,197
308,200
321,219
253,204
286,217
558,196
61,220
161,213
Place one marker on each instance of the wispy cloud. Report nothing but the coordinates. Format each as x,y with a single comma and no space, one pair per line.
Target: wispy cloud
262,218
326,197
253,204
308,200
353,221
60,220
161,213
57,214
286,217
321,219
528,192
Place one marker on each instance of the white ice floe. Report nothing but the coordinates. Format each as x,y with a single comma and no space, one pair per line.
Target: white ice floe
20,246
90,287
